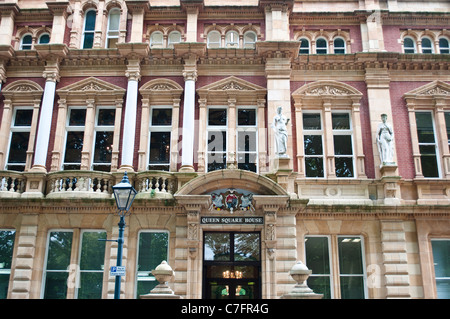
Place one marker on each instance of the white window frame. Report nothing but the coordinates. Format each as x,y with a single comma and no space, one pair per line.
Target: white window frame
327,49
447,48
434,271
30,44
216,128
145,275
247,128
69,128
320,132
211,44
409,48
232,39
309,45
156,45
344,47
43,34
431,47
112,34
159,128
171,41
435,144
101,128
14,129
349,132
250,44
90,31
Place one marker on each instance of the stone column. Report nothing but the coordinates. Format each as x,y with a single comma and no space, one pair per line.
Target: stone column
129,125
8,13
88,135
188,130
51,74
277,19
137,10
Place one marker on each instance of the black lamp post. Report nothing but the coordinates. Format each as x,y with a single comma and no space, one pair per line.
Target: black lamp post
124,194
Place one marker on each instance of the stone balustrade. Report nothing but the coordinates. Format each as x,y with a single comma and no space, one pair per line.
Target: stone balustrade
94,184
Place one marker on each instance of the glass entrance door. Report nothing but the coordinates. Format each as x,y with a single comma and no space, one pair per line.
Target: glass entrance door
231,265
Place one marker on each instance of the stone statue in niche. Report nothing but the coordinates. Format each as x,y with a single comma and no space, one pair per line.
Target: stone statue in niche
279,126
385,141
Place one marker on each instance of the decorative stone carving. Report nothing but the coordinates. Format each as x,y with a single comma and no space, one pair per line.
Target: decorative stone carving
327,90
385,141
279,126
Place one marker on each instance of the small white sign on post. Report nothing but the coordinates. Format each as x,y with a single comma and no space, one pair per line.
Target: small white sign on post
117,271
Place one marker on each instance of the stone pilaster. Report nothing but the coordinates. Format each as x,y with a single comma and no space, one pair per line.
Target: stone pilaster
395,259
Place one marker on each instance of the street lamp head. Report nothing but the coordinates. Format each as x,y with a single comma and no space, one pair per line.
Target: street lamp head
124,194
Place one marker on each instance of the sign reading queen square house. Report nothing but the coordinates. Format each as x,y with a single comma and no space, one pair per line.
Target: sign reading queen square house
232,201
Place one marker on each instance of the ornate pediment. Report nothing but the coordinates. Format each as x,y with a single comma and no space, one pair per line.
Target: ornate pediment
231,83
160,85
327,88
22,86
434,88
90,86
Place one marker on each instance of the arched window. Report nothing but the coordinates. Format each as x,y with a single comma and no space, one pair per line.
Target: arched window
112,32
213,40
89,29
444,47
304,46
427,45
232,39
339,46
409,46
156,40
174,37
26,42
249,40
44,38
321,46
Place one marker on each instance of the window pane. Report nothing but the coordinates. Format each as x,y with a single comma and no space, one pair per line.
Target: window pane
246,247
92,251
59,248
217,117
114,19
317,255
441,257
342,145
103,147
344,166
247,141
425,132
304,46
91,284
311,121
214,39
340,121
314,167
426,46
18,147
156,40
350,255
352,287
23,117
44,39
320,285
77,117
90,21
161,117
74,145
4,283
444,46
152,250
56,285
217,246
249,40
174,37
408,45
106,117
339,46
217,141
246,117
159,147
447,124
247,162
321,46
313,144
88,40
6,248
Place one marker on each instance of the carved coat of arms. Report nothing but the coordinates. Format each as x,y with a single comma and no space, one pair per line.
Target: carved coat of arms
231,200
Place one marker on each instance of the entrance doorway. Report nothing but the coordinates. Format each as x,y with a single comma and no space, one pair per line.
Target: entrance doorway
231,265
